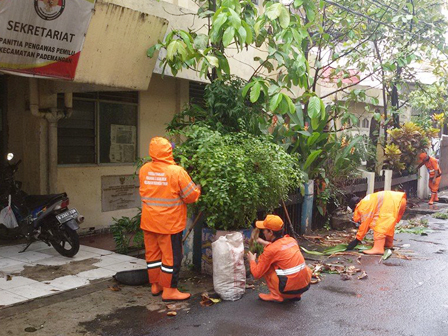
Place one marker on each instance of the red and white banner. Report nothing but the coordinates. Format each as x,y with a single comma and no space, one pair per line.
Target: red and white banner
43,37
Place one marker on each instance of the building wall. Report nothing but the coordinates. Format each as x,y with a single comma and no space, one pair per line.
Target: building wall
25,136
157,106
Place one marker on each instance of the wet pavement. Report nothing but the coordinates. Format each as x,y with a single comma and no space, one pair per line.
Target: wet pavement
399,297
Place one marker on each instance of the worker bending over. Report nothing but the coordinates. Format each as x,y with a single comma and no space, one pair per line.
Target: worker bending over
281,263
435,175
380,212
165,189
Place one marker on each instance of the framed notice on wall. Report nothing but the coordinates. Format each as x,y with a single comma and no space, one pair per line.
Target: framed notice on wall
119,192
43,37
123,139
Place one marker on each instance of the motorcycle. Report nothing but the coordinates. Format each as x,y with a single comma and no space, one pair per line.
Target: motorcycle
44,218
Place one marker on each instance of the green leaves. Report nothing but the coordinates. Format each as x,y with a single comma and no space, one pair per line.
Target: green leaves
228,36
314,107
310,159
239,173
316,111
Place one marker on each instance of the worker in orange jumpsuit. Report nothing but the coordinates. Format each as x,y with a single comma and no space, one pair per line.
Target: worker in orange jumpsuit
281,263
435,175
380,212
165,189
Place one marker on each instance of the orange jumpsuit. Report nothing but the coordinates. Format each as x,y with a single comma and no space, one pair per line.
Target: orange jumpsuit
380,212
434,171
284,269
165,189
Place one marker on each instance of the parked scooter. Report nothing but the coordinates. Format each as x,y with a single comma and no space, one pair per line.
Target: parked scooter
44,218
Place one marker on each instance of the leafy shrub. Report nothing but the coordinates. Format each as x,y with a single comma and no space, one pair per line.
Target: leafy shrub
405,144
239,174
224,109
127,233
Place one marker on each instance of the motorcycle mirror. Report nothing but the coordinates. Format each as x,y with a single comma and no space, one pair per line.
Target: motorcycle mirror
10,156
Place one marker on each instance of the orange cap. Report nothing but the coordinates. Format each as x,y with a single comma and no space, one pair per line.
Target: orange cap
271,222
422,157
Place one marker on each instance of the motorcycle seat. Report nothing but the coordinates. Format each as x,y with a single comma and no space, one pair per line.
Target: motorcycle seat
34,201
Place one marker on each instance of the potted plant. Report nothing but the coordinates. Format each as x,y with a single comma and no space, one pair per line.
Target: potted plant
240,174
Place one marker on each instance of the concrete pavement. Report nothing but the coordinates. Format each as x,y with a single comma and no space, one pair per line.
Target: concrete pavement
41,271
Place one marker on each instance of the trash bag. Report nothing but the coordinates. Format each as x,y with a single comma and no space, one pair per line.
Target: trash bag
229,273
137,277
7,217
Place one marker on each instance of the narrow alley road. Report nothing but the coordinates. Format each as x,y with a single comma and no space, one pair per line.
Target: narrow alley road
399,297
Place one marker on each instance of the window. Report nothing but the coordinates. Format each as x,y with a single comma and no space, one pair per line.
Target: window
102,129
196,91
365,123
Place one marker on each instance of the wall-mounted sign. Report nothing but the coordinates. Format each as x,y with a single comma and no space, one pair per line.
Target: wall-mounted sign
123,139
43,37
119,192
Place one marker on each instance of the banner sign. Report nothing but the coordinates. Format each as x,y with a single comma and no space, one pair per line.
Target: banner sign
43,37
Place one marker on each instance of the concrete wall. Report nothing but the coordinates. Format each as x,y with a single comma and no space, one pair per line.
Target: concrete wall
157,106
114,51
182,18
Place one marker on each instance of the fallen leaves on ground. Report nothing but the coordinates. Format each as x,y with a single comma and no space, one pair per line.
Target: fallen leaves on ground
386,254
115,288
172,306
345,277
171,313
340,249
363,275
207,301
402,256
346,272
414,226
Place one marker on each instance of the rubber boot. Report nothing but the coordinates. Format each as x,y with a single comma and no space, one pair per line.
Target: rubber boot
173,294
270,297
378,246
431,200
389,242
436,197
156,289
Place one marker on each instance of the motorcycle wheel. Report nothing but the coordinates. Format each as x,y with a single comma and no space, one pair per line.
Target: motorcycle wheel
64,237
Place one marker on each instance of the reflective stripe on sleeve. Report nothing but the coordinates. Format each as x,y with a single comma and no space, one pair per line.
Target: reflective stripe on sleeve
291,270
185,192
186,188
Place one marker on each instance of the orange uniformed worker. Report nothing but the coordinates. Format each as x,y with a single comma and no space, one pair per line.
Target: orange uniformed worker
379,211
165,189
281,263
435,175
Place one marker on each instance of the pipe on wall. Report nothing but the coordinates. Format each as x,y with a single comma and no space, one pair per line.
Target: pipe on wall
49,152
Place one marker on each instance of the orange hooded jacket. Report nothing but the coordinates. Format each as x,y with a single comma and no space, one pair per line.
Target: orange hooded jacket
380,212
433,167
165,189
285,257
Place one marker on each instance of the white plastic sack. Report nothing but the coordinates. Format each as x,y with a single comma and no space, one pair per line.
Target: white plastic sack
229,272
7,217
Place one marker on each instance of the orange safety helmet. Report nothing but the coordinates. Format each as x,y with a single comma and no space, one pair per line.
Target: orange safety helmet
423,157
